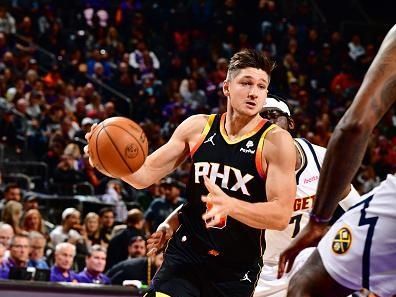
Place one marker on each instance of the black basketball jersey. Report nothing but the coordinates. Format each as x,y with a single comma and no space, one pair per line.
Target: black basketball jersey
236,167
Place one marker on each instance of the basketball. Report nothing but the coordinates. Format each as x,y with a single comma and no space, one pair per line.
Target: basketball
118,147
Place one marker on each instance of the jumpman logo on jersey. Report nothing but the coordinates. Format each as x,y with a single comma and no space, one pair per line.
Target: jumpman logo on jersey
210,139
246,277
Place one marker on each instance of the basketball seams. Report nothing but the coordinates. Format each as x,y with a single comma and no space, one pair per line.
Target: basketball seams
116,147
136,140
97,150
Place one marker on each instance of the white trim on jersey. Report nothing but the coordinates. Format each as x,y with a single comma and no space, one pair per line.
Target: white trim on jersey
307,182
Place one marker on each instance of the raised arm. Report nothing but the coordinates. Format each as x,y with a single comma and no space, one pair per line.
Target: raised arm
348,145
165,159
349,141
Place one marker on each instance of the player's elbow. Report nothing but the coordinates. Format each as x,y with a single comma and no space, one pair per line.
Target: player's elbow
282,223
355,126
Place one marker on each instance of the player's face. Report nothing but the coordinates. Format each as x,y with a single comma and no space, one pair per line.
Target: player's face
276,117
247,91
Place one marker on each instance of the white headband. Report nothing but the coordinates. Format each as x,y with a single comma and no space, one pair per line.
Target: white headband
273,103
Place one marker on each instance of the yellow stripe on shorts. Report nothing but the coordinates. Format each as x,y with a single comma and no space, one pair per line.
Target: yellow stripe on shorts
159,294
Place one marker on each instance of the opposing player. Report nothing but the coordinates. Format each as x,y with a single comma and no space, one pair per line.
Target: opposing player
242,182
309,159
359,250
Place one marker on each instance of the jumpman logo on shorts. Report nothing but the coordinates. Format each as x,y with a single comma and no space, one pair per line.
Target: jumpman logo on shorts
246,277
210,139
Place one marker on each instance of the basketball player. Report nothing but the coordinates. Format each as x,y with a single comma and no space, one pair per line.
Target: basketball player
242,182
359,250
309,159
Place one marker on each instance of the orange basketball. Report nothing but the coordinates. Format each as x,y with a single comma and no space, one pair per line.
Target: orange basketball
118,147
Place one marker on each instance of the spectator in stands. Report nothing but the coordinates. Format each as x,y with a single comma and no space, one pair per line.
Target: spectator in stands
7,21
145,196
61,271
106,222
30,202
37,243
114,195
137,247
69,230
86,125
142,269
66,175
95,263
6,234
356,49
19,255
2,254
161,208
12,214
193,96
143,60
8,131
33,221
55,150
118,246
12,192
91,229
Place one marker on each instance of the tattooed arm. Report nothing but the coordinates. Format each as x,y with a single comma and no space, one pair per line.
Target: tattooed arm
349,141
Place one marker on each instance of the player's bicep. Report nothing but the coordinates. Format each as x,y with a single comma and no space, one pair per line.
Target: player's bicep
280,156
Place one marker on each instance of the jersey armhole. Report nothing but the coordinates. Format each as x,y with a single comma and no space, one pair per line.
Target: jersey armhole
203,134
259,152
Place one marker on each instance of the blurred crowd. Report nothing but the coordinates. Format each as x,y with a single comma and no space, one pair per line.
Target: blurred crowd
58,61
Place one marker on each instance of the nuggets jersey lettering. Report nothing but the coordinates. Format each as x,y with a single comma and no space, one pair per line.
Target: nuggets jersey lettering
236,167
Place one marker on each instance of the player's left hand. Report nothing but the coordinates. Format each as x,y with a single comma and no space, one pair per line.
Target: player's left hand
309,236
219,204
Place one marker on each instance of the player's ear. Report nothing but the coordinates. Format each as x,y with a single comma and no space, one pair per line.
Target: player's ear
226,85
291,124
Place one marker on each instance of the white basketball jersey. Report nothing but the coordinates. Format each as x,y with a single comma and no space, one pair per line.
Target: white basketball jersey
359,250
307,177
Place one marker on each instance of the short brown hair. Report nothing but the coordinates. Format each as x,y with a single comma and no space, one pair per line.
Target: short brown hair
134,216
249,58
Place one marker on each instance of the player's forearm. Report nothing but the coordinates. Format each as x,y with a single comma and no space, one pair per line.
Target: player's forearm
349,141
263,215
344,155
143,178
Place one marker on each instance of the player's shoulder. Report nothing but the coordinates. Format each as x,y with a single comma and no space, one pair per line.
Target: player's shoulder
277,141
276,133
195,123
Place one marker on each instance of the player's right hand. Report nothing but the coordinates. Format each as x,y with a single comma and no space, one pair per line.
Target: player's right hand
157,241
88,137
308,237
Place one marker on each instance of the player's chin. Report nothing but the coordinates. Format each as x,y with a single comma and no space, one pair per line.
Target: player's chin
250,110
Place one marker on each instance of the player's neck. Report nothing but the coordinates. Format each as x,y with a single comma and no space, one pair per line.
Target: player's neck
237,125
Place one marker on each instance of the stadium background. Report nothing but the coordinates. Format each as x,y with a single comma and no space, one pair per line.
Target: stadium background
67,64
